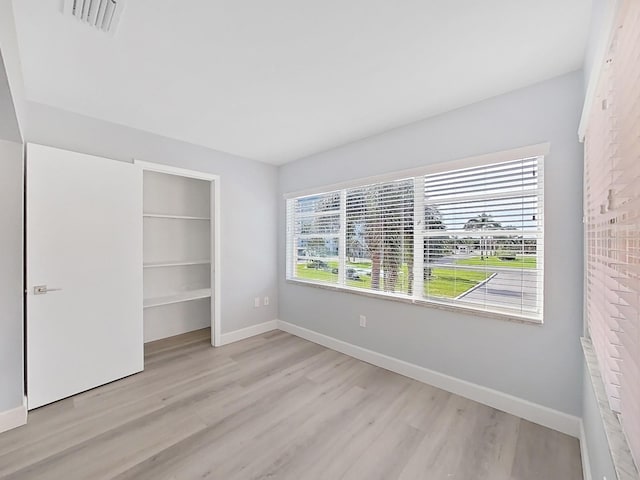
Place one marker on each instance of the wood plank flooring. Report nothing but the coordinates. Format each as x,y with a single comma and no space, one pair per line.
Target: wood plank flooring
277,407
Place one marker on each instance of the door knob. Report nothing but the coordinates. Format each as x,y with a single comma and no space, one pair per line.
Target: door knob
42,289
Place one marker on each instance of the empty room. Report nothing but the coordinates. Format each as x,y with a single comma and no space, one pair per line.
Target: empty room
320,240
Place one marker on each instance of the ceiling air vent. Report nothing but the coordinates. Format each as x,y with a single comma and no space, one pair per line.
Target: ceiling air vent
101,14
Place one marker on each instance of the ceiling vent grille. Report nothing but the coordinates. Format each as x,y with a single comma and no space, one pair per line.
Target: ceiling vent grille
101,14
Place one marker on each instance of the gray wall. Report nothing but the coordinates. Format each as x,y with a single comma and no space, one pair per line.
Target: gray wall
12,118
602,12
248,200
11,59
542,364
11,363
9,129
11,323
248,223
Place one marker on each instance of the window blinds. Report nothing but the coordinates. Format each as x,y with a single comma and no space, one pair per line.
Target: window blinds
612,217
315,236
379,228
470,237
493,218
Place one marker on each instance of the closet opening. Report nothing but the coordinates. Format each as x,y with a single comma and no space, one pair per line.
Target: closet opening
181,245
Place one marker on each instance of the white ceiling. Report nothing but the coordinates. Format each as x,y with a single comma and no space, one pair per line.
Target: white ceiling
281,79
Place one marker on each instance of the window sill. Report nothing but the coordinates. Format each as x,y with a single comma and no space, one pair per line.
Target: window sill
423,303
620,453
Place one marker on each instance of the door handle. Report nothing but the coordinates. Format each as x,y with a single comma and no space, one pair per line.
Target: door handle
42,289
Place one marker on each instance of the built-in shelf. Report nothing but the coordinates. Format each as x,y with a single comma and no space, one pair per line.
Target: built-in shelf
178,252
177,297
176,263
180,217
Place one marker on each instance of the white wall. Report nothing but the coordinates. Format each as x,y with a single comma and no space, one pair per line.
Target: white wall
248,200
541,364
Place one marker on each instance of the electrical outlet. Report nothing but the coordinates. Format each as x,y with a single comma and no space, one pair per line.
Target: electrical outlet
256,302
363,321
265,302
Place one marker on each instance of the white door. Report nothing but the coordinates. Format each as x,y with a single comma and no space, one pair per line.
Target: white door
84,272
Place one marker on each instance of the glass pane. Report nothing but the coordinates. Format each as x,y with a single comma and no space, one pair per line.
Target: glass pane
380,237
317,259
493,272
318,224
483,236
506,289
502,251
325,202
520,213
498,180
450,281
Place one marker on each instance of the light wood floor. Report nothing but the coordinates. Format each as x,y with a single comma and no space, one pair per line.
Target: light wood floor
277,407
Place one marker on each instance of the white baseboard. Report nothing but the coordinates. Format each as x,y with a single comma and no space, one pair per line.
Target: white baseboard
13,418
519,407
584,454
247,332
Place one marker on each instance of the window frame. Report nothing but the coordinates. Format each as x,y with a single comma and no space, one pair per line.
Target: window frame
539,151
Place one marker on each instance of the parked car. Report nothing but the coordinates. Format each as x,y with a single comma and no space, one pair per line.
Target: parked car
363,271
352,274
318,265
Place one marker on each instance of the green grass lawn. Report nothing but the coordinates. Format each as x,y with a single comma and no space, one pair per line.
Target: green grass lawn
451,282
356,264
314,274
493,261
444,282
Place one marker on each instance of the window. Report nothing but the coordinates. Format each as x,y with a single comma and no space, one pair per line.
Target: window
470,237
612,217
316,222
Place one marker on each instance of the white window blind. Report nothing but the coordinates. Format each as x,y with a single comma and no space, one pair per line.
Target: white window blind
470,237
379,234
493,220
315,236
612,216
